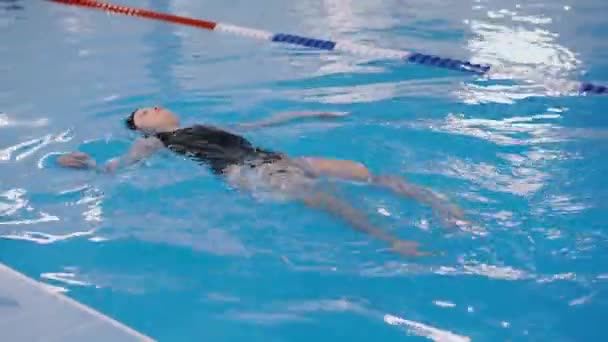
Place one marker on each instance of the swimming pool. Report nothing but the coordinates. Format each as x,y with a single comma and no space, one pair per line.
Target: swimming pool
172,252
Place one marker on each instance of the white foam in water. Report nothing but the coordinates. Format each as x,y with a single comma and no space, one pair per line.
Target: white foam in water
44,217
554,86
444,304
31,146
98,239
490,271
6,121
45,141
64,277
110,98
384,212
581,300
43,238
559,276
424,330
42,161
54,289
7,153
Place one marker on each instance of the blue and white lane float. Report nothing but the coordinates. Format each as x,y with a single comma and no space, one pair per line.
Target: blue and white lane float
561,86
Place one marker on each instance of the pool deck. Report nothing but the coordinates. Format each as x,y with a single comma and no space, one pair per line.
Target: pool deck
31,312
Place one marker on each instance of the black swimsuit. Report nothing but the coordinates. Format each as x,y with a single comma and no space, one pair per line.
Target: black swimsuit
216,148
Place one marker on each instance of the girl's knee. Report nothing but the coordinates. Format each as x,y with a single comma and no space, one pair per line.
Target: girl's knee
337,168
360,171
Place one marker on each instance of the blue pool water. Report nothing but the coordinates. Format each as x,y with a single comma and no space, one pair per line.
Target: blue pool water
171,251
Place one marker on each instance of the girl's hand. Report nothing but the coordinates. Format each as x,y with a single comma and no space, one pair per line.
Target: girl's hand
76,160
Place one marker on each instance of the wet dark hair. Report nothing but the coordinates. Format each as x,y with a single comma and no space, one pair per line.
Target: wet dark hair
130,121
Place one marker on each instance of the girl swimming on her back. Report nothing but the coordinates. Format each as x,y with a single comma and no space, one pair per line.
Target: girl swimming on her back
246,167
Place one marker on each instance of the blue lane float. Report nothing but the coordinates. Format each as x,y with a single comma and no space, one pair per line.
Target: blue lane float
448,63
308,42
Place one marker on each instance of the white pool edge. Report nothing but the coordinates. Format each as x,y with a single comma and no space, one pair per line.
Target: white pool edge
19,277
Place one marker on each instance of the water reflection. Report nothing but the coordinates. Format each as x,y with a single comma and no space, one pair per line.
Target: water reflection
499,41
519,45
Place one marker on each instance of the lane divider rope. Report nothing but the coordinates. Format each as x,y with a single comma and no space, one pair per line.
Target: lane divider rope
357,49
